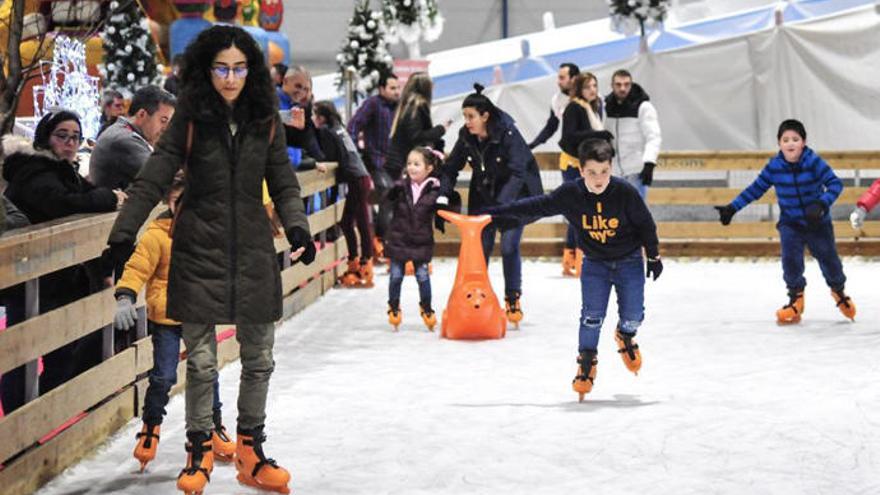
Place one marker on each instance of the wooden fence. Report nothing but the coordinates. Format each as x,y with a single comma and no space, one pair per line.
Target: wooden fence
710,238
33,446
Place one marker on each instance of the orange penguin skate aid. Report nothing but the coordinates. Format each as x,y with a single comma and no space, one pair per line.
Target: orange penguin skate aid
473,311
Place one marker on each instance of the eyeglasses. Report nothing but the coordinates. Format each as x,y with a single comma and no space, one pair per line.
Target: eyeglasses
222,71
68,138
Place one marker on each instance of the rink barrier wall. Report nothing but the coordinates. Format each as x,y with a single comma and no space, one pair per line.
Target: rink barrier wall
709,238
52,431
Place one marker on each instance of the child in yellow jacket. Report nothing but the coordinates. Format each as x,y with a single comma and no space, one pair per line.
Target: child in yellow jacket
149,266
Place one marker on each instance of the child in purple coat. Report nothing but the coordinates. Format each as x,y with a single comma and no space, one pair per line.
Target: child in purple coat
411,234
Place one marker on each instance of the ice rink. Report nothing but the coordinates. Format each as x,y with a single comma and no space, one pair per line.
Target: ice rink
727,402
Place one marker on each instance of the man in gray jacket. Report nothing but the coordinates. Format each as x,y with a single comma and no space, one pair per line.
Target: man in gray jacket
124,147
632,119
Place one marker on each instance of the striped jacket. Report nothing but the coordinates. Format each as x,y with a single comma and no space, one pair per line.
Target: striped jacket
797,186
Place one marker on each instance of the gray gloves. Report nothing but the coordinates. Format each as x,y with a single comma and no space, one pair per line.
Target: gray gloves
857,217
126,314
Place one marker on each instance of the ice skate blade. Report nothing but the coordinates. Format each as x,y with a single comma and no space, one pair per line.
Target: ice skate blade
581,397
248,481
143,466
793,321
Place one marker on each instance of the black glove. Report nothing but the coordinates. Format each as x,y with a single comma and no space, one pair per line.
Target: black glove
647,173
299,238
607,136
440,222
815,212
655,268
726,212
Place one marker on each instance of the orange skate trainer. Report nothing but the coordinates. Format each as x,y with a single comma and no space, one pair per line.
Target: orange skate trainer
254,469
628,350
844,303
199,464
365,273
147,444
513,309
586,374
791,312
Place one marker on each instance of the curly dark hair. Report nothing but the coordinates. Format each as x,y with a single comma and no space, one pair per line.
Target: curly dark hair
198,98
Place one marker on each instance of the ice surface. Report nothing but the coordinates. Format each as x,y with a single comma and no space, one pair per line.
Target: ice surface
726,402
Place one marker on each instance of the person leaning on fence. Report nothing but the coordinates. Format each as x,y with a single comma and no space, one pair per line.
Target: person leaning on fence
632,118
148,266
42,180
806,187
124,147
564,80
226,135
503,170
582,119
338,146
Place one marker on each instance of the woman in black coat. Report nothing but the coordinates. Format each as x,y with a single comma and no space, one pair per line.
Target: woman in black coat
503,170
227,136
44,183
582,119
411,127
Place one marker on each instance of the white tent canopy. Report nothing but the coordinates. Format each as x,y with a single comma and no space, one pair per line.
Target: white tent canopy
733,93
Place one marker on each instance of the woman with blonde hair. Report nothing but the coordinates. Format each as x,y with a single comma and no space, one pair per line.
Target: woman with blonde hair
582,119
411,127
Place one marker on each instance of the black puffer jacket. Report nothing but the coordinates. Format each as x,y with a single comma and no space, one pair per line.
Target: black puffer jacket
503,166
45,187
223,263
413,129
411,236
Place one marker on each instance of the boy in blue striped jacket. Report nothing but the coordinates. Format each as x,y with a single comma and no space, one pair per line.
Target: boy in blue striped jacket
806,187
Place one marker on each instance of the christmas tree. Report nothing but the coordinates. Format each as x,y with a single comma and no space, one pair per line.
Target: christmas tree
634,16
66,83
129,50
364,50
412,20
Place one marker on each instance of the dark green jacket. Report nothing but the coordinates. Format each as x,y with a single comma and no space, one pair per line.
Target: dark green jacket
223,263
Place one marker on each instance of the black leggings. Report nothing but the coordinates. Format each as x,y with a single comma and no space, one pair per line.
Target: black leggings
356,216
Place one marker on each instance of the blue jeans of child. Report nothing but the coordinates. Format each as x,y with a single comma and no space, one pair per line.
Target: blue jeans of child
570,174
820,240
163,376
511,261
397,269
627,276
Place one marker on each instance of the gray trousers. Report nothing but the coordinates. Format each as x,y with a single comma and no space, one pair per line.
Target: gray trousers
257,364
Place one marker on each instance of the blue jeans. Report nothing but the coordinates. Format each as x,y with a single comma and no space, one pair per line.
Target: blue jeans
510,258
397,270
636,181
568,175
627,276
163,376
820,240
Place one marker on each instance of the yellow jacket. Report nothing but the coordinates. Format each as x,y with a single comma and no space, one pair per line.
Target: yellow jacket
149,265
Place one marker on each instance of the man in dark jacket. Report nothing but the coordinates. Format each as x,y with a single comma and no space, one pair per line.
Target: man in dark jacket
371,124
124,147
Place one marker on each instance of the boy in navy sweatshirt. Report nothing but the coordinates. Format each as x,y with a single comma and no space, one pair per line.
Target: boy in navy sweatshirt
806,187
613,225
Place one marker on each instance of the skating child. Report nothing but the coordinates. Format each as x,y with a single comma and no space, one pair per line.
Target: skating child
806,187
149,266
614,225
338,146
867,201
410,236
